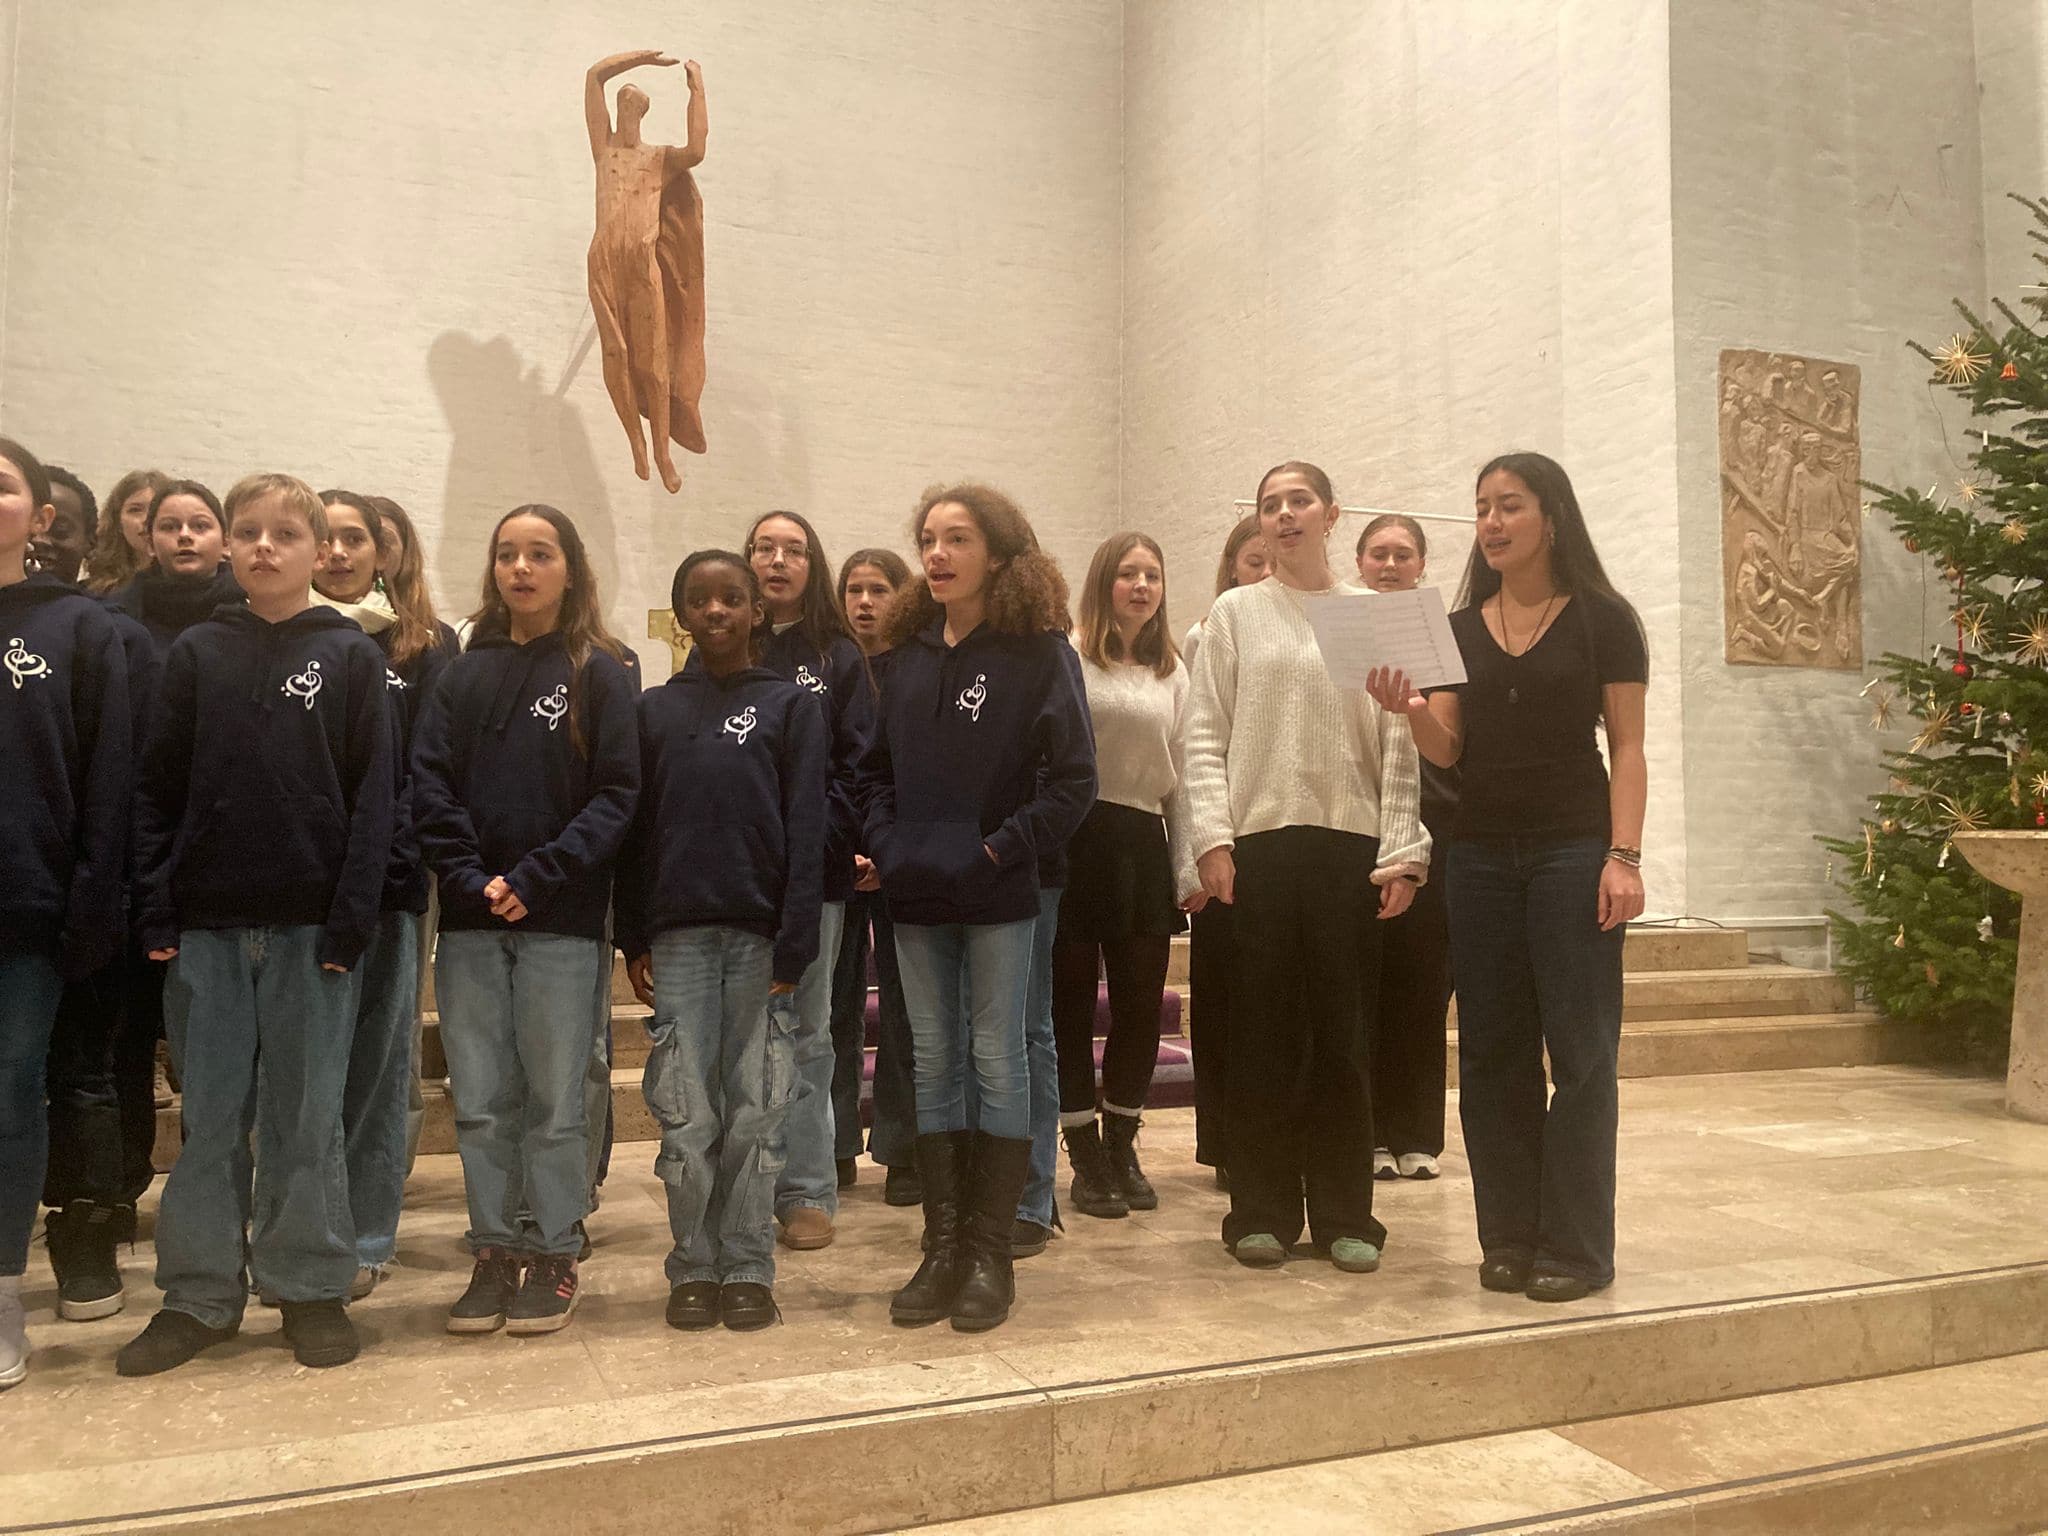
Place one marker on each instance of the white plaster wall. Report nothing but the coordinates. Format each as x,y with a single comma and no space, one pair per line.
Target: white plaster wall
348,241
1827,201
2012,77
10,17
1396,239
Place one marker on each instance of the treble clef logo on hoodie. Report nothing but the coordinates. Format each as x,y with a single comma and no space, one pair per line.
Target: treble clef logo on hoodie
974,696
552,706
305,685
393,680
805,678
23,663
740,726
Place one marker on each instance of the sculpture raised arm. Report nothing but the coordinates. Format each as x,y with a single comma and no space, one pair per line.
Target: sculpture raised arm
597,118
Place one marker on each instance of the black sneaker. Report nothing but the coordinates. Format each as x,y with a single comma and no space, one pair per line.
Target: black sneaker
849,1172
169,1341
1028,1239
746,1305
694,1306
320,1332
902,1186
492,1285
81,1240
546,1297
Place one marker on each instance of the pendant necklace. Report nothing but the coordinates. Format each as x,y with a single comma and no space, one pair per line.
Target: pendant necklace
1514,691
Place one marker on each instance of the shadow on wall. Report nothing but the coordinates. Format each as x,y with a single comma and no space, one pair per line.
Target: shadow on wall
513,440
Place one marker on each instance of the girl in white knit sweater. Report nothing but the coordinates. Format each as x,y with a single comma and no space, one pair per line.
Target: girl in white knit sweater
1302,803
1120,908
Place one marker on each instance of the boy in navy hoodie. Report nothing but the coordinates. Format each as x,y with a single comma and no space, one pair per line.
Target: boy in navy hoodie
718,916
263,824
65,753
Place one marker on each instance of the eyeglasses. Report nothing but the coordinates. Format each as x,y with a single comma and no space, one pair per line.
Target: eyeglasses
792,554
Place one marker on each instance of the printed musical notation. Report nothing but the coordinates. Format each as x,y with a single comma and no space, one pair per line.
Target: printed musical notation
1409,630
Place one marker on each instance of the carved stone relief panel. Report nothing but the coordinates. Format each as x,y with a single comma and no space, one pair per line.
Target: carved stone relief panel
1791,526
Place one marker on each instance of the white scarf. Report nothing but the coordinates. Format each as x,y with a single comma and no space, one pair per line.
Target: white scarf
374,613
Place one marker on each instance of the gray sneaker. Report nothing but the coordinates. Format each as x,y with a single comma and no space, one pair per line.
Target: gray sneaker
13,1333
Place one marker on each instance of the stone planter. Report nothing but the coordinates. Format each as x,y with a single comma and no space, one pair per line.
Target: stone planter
2019,862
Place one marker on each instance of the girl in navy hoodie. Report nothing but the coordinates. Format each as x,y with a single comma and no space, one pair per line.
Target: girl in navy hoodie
807,642
524,779
64,749
190,576
981,763
718,918
350,580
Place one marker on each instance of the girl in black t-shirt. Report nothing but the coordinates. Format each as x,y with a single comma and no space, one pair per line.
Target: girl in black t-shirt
1544,872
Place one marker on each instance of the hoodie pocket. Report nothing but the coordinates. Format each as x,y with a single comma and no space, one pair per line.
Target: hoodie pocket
923,860
266,843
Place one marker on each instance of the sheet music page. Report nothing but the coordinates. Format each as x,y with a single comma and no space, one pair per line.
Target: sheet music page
1409,630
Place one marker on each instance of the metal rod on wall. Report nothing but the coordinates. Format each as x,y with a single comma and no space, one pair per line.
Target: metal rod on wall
1246,503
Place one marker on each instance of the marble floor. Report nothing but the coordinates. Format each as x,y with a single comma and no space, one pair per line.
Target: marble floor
1732,1187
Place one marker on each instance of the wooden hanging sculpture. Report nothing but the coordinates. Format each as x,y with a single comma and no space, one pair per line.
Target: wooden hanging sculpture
647,265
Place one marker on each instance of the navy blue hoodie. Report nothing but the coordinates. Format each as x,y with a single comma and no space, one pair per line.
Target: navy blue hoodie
983,743
167,605
406,690
839,678
504,783
266,794
731,825
68,759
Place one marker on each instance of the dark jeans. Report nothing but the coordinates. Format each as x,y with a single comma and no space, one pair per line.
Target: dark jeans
1408,1031
30,989
1534,972
850,1024
1305,982
85,1114
1135,969
892,1138
135,1073
1209,963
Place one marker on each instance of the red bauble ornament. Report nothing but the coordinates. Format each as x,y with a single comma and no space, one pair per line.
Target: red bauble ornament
2041,818
2008,372
1961,669
1912,548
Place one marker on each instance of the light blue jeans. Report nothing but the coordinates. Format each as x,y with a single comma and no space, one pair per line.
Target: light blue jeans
515,1025
967,987
30,990
260,1035
810,1173
1042,1060
719,1081
380,1082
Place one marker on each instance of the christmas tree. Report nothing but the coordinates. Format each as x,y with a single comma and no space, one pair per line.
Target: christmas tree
1934,942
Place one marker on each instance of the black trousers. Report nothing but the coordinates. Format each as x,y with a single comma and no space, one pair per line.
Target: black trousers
1135,968
1209,966
1304,984
84,1112
1408,1059
135,1073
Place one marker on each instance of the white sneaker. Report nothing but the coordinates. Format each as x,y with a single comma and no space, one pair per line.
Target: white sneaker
1416,1165
1383,1164
366,1281
13,1333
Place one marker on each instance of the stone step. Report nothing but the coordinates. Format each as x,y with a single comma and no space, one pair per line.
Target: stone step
1646,949
1659,1388
1957,1447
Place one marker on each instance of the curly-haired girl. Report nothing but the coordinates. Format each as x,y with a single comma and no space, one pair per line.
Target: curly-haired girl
981,761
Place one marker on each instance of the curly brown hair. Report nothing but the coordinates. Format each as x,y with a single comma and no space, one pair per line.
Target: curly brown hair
1026,595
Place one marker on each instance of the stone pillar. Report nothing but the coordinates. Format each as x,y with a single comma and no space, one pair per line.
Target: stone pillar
2019,862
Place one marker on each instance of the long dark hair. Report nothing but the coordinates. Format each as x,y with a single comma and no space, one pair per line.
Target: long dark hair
1246,530
819,617
581,625
1574,563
